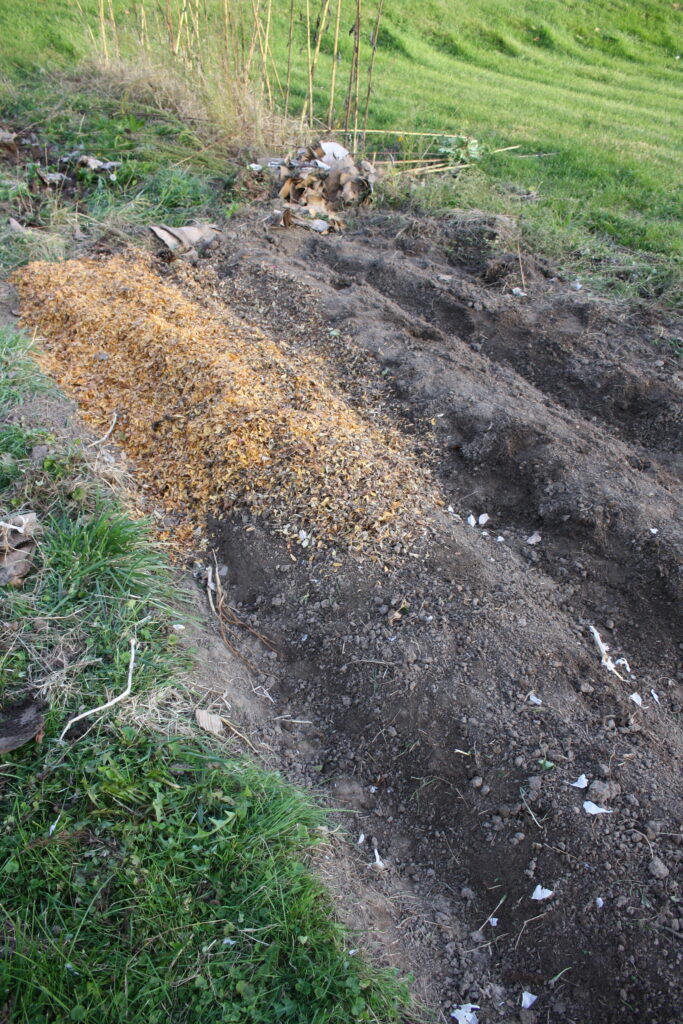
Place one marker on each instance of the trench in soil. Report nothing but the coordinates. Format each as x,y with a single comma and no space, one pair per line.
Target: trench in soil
402,676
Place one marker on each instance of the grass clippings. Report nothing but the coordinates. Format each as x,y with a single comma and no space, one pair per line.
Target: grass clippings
217,416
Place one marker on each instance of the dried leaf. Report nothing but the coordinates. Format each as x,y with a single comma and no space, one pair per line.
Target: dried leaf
209,722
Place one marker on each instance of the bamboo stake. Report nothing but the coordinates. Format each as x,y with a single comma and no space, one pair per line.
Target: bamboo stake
357,92
321,22
372,65
266,48
103,33
335,57
310,69
352,72
289,55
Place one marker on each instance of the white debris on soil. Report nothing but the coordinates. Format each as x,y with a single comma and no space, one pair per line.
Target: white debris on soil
379,863
637,699
533,699
465,1013
580,783
591,808
610,665
655,696
528,999
494,922
599,902
518,291
540,893
535,538
361,838
654,531
484,518
471,520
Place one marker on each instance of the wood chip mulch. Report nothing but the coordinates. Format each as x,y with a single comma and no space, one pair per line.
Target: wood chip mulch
216,415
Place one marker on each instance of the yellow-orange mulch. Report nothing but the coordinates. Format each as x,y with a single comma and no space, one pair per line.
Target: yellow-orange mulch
216,415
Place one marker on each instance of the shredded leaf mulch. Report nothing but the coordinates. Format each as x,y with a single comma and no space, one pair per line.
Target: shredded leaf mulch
217,416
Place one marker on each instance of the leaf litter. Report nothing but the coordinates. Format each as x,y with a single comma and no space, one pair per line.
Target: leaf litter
217,416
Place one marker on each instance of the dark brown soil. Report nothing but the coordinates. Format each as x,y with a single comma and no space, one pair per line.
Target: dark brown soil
553,413
401,685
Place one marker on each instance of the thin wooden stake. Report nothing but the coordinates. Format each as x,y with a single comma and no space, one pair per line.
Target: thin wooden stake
335,58
289,55
375,35
321,22
359,4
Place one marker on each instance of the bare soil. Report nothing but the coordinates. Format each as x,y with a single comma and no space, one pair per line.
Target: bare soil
553,413
400,686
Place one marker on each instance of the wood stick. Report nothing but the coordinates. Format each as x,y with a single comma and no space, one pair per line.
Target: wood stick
335,56
359,4
310,69
321,22
289,55
372,65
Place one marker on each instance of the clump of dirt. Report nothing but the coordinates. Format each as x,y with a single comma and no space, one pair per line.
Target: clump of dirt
452,696
215,414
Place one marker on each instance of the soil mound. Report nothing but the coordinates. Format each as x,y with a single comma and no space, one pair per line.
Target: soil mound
452,694
215,414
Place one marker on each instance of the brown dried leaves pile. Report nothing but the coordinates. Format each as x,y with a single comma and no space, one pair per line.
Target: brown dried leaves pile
216,415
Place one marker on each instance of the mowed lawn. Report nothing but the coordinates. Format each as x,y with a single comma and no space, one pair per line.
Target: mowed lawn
590,91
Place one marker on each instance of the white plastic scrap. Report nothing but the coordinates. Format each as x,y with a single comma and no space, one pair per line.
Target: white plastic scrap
518,291
528,999
654,531
464,1014
379,863
637,699
591,808
229,942
610,665
533,699
484,518
599,902
580,783
471,521
500,540
655,696
361,838
535,538
540,893
494,922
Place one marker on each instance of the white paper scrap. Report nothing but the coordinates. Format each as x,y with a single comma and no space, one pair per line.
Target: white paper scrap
464,1014
580,783
471,520
540,893
591,808
528,999
483,519
599,902
655,696
637,699
361,838
494,922
535,538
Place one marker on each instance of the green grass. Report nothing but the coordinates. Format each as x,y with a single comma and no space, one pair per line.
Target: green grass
590,91
141,879
153,881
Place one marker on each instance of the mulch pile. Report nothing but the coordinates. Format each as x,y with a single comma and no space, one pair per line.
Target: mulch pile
216,415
